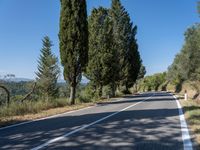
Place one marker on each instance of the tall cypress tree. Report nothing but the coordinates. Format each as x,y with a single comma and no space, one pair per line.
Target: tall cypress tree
125,45
121,31
133,63
100,68
73,38
48,71
142,72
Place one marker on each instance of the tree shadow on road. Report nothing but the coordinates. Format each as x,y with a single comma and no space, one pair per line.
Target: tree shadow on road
139,98
132,129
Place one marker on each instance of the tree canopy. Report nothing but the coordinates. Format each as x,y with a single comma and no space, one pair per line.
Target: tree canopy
73,36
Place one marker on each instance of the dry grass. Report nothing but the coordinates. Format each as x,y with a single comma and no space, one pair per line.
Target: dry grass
4,121
17,113
192,115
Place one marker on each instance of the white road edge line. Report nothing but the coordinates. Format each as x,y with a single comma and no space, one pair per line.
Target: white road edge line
86,126
27,122
187,144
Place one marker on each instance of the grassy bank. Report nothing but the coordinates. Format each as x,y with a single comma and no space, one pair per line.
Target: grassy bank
192,114
19,112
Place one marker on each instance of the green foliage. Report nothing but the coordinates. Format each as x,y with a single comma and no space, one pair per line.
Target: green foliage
87,94
30,107
107,91
152,82
73,38
101,66
133,63
48,71
121,34
17,91
114,59
3,97
186,65
142,72
125,45
64,90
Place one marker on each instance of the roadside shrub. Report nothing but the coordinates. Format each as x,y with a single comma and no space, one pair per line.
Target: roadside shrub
87,94
31,107
107,91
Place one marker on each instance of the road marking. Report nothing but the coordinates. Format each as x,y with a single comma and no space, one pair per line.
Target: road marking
187,144
27,122
86,126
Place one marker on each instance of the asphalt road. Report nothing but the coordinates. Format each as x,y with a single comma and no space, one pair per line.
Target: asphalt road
149,121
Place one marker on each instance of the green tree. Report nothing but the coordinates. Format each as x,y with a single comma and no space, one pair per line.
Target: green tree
101,65
133,62
73,38
48,71
125,45
192,46
142,72
153,82
186,65
140,76
118,16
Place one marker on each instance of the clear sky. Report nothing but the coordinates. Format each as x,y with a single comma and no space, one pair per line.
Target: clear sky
23,23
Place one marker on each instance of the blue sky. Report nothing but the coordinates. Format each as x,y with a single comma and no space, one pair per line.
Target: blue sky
23,23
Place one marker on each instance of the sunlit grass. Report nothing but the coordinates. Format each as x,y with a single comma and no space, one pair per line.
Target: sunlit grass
192,114
31,110
30,107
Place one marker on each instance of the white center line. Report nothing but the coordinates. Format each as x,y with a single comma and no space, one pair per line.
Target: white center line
86,126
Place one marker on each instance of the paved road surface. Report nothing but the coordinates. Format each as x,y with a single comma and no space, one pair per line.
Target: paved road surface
144,122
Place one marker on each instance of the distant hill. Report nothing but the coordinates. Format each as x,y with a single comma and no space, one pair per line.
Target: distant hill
84,80
19,80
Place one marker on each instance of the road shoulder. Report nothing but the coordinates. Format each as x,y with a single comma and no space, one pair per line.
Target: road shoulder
191,110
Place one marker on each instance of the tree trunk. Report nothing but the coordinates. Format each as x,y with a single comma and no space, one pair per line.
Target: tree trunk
113,89
118,89
127,91
47,97
136,87
100,90
29,94
72,94
7,92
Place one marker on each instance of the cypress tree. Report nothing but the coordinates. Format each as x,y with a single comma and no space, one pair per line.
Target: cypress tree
121,34
133,63
73,38
142,72
125,45
100,68
48,71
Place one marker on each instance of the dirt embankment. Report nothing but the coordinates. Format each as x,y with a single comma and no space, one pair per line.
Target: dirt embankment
191,87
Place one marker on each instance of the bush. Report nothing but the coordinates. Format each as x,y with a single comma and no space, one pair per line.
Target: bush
31,107
107,91
87,94
61,102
